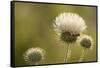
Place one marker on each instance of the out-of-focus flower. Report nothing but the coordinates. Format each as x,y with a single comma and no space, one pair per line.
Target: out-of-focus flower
34,55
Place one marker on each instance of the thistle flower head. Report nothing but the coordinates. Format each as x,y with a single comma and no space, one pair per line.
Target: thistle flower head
69,25
86,41
34,55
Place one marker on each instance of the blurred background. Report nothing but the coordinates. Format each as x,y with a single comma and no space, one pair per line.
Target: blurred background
34,28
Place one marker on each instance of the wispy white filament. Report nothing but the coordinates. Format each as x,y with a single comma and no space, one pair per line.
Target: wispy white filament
69,22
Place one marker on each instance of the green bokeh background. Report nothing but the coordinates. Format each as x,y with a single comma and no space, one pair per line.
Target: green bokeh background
34,28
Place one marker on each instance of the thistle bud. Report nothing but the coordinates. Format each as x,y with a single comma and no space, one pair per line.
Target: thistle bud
86,41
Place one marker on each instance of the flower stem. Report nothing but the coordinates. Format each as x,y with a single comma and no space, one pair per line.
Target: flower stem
82,55
67,54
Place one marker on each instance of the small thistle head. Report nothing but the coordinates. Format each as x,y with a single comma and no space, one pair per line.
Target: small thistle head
86,41
69,26
34,55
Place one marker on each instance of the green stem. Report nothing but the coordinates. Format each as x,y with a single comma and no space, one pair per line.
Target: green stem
67,54
82,55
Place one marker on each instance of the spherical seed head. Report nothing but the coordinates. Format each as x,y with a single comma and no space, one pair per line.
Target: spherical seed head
86,41
34,55
69,26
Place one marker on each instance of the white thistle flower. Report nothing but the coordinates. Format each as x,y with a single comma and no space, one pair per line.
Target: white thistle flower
34,55
69,26
86,41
